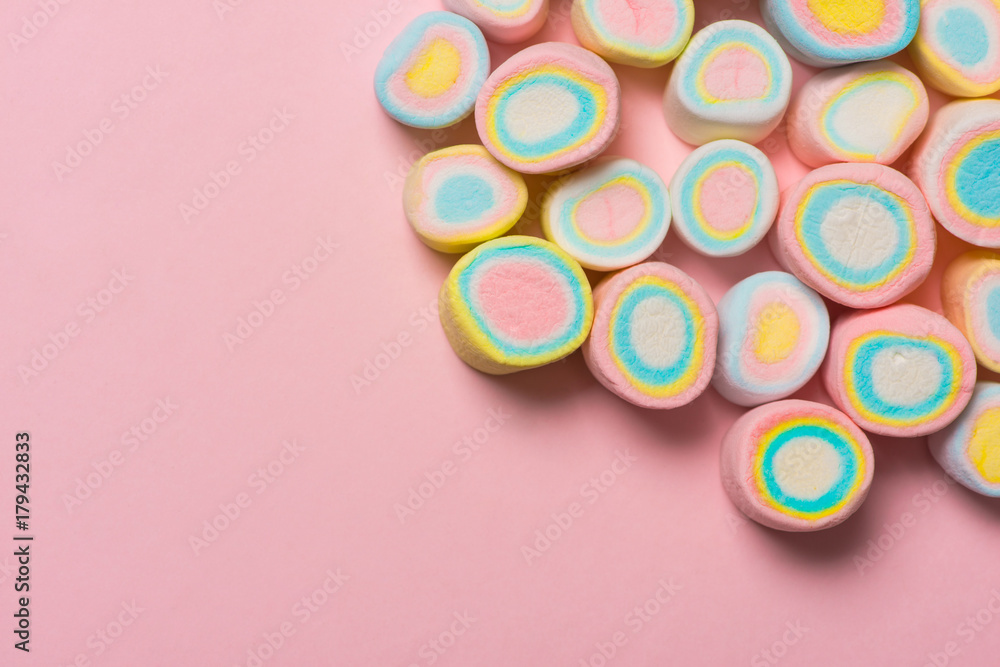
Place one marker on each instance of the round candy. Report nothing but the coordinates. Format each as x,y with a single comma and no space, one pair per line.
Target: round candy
796,465
970,294
969,449
608,216
957,46
733,81
724,198
773,334
549,107
515,302
654,335
859,234
827,33
957,166
645,34
458,197
505,21
430,74
869,112
901,371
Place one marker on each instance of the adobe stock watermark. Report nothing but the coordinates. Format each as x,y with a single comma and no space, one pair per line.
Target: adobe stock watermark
230,511
131,440
434,648
462,451
893,532
635,620
104,637
300,614
292,280
223,7
87,311
793,633
364,33
247,151
394,347
35,22
563,520
121,108
395,178
967,631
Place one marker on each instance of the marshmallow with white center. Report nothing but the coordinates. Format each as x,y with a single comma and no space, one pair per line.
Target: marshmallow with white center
732,81
773,334
970,294
612,214
901,371
957,46
859,234
548,108
796,465
969,449
829,33
869,112
724,197
431,72
956,163
457,197
505,21
650,33
515,303
654,336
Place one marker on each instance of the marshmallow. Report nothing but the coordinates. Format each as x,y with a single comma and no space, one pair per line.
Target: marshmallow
957,166
645,34
456,198
901,371
514,303
733,81
859,234
548,108
796,465
969,449
654,335
773,334
612,214
957,46
970,294
724,198
869,112
431,72
505,21
828,33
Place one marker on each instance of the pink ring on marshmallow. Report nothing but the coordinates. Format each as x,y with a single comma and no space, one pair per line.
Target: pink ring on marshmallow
970,294
505,21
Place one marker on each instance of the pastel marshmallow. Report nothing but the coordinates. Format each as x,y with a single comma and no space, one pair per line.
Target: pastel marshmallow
431,72
724,197
957,46
957,166
548,108
859,234
902,371
505,21
796,465
773,335
732,81
457,197
869,112
969,449
970,295
515,303
654,336
648,33
829,33
610,215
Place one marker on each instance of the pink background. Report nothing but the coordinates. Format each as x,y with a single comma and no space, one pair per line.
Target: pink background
332,171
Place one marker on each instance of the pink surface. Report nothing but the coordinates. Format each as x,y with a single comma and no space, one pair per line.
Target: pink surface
229,269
